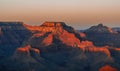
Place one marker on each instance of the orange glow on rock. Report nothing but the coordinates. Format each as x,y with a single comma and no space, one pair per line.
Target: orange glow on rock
111,31
107,68
69,39
46,27
82,35
38,35
48,24
35,50
117,49
48,40
101,49
88,46
27,49
24,49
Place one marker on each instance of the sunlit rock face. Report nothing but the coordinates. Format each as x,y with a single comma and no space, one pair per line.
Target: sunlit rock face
50,27
56,27
83,35
100,49
53,46
68,39
107,68
53,24
26,51
40,40
88,46
49,32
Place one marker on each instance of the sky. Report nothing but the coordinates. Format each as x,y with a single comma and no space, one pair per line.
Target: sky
80,14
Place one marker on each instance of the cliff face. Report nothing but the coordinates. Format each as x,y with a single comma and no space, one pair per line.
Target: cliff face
100,28
107,68
102,35
12,35
50,27
54,46
54,34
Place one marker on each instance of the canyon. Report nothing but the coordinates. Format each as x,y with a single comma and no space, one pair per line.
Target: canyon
55,46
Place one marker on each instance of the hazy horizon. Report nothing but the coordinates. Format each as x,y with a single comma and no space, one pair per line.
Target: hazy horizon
80,14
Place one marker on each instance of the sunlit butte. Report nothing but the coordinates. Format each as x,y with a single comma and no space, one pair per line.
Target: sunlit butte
77,13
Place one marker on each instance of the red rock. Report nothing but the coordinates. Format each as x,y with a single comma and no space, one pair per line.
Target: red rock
38,35
117,49
89,47
56,29
35,50
24,49
69,39
107,68
82,34
46,27
48,40
27,48
53,24
100,49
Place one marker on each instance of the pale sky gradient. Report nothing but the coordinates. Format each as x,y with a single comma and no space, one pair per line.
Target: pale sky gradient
77,13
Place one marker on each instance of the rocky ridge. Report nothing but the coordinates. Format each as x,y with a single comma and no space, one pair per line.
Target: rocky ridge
54,46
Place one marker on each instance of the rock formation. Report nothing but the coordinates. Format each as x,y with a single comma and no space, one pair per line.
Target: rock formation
55,46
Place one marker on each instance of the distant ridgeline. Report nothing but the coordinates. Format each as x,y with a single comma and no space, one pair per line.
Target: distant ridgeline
102,35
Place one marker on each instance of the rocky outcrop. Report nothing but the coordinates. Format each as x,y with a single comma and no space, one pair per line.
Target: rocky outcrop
102,35
12,35
83,35
48,32
88,46
49,27
54,46
26,52
41,40
100,28
107,68
27,49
